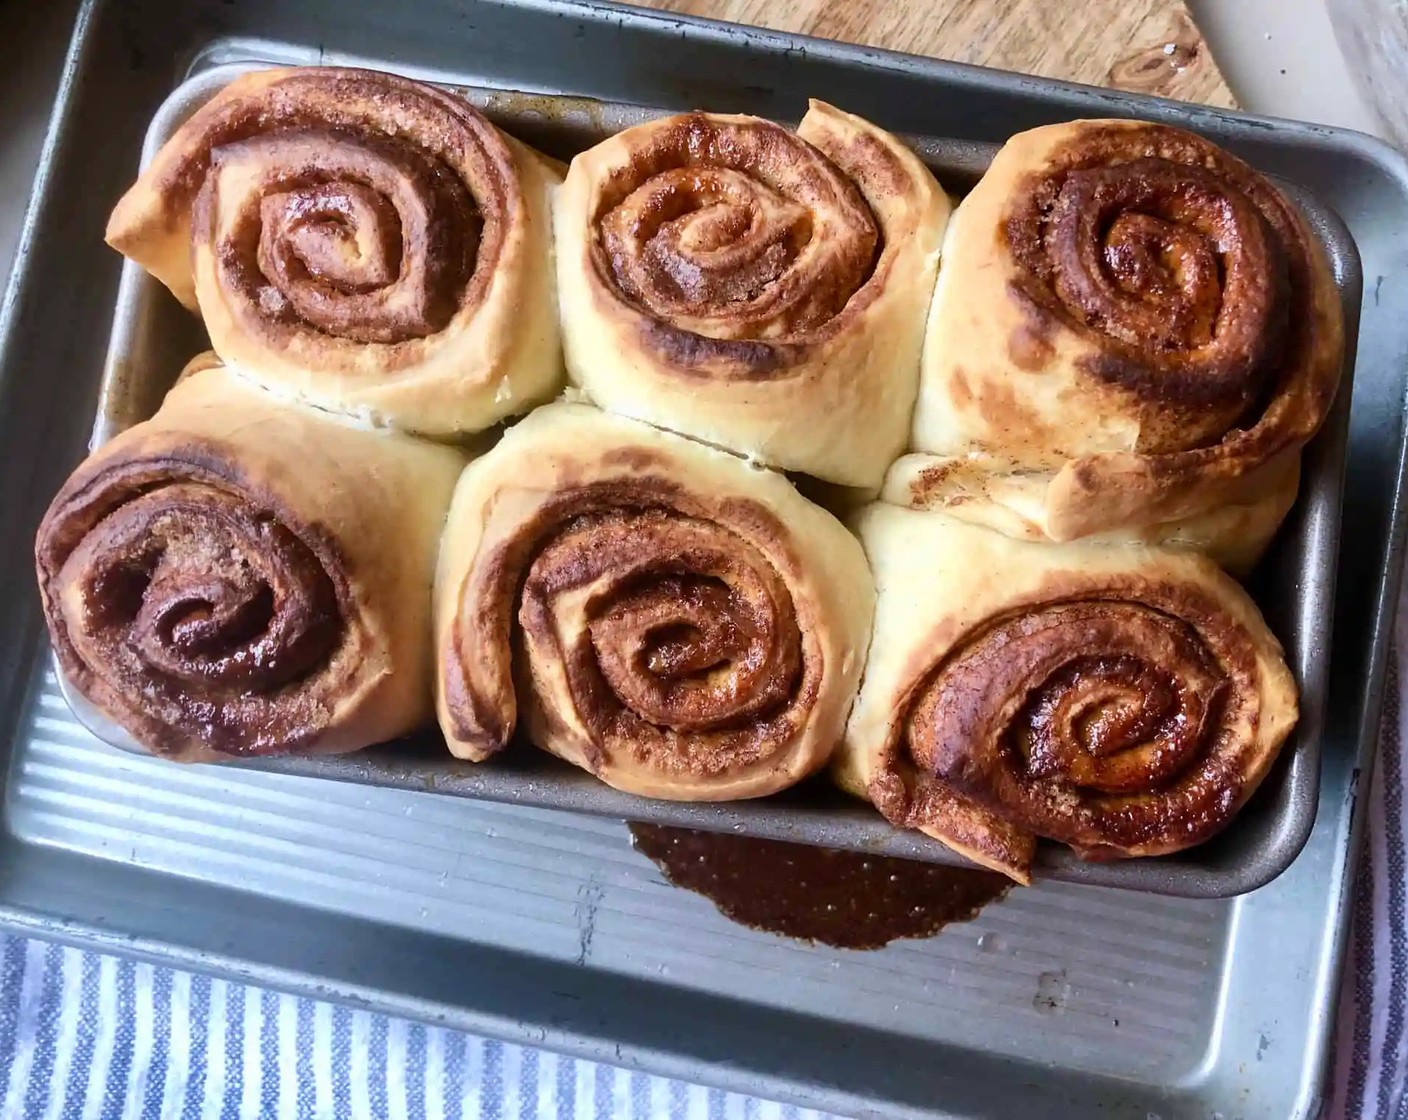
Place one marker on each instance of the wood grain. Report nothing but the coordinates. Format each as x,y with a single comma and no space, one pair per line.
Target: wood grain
1151,46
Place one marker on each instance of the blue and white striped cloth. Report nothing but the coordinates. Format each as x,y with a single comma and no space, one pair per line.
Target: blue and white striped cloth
90,1037
1371,1059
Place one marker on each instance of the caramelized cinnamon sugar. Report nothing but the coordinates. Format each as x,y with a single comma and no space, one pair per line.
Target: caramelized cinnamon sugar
738,240
175,590
650,618
1188,269
848,900
354,237
350,204
1115,722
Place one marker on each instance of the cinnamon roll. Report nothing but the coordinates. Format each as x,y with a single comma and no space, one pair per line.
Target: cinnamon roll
1125,701
236,577
666,616
1131,328
366,242
758,289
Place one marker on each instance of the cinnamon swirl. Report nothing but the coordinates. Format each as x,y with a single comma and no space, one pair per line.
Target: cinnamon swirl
758,289
1131,328
1125,701
679,623
237,577
366,242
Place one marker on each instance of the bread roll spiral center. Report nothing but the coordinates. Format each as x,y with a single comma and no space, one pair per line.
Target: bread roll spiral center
663,624
1171,256
735,229
365,238
198,594
1099,723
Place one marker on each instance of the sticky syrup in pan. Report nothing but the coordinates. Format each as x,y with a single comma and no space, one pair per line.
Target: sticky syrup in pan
848,900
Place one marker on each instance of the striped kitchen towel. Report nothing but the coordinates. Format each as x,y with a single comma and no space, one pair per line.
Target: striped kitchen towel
1370,1080
90,1037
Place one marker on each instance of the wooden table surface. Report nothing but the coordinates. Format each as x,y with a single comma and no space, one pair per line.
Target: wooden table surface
1151,46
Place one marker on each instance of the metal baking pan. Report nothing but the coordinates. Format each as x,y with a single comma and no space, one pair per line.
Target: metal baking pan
153,336
543,927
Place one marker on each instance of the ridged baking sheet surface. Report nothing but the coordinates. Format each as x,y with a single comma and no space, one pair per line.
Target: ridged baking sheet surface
1106,981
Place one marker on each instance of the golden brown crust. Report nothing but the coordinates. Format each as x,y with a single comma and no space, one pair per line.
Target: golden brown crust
1123,700
724,277
679,623
939,811
216,603
998,494
206,359
366,241
1132,319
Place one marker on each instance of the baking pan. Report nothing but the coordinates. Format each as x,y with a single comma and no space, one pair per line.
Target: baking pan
153,336
543,927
